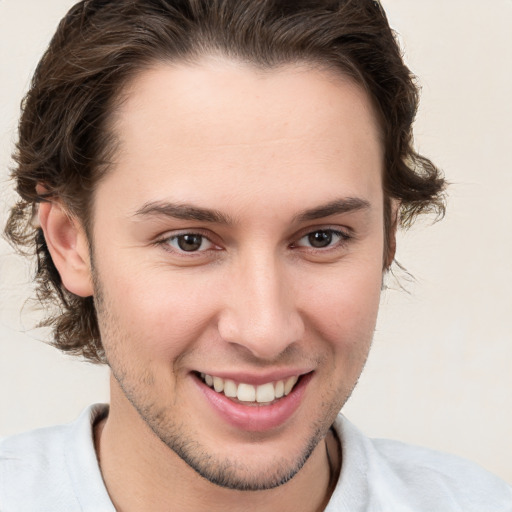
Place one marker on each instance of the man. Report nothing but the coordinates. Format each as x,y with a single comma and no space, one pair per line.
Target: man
217,187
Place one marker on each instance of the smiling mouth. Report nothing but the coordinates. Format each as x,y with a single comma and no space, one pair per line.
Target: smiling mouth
248,394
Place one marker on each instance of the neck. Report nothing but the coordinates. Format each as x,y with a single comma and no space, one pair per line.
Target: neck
141,473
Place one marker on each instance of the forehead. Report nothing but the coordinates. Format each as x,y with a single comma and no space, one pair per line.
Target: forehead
219,122
224,92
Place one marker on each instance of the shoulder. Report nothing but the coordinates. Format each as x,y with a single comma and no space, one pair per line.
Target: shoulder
28,458
448,478
400,476
44,469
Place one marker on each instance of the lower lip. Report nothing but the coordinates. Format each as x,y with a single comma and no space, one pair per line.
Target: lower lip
256,418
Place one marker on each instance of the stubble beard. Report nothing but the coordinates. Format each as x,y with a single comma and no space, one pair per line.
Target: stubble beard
222,471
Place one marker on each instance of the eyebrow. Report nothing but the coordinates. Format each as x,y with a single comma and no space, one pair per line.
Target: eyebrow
196,213
336,207
183,212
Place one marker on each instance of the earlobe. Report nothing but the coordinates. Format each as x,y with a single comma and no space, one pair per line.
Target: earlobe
68,246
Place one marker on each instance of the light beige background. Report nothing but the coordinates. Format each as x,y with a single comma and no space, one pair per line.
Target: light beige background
440,373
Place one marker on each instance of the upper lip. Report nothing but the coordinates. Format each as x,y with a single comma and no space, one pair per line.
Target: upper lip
257,379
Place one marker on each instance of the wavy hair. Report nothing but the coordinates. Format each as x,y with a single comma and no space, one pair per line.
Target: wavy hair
64,137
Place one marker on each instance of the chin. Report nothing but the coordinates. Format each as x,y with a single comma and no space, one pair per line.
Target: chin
257,465
241,474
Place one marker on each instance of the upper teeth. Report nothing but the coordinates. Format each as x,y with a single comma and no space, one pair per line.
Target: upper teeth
247,392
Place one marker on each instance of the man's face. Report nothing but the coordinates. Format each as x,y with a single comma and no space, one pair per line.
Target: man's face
239,238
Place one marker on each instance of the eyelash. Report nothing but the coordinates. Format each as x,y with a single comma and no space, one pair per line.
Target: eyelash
166,243
343,239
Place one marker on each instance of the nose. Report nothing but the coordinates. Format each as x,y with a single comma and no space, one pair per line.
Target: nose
260,312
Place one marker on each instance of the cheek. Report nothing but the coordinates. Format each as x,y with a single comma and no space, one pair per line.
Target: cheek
157,314
343,309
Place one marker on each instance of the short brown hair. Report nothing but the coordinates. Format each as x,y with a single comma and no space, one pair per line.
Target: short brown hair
64,141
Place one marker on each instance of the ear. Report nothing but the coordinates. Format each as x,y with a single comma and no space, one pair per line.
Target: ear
68,246
391,235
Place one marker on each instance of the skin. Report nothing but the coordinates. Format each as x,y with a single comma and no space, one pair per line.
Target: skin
264,149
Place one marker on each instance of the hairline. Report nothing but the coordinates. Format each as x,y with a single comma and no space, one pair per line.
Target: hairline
197,57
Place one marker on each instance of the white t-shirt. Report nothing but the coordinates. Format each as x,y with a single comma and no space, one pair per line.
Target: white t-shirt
55,470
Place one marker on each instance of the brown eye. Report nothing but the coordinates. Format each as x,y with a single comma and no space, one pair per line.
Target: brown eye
323,239
189,242
320,239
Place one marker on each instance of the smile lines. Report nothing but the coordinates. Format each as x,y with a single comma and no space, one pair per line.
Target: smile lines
265,393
